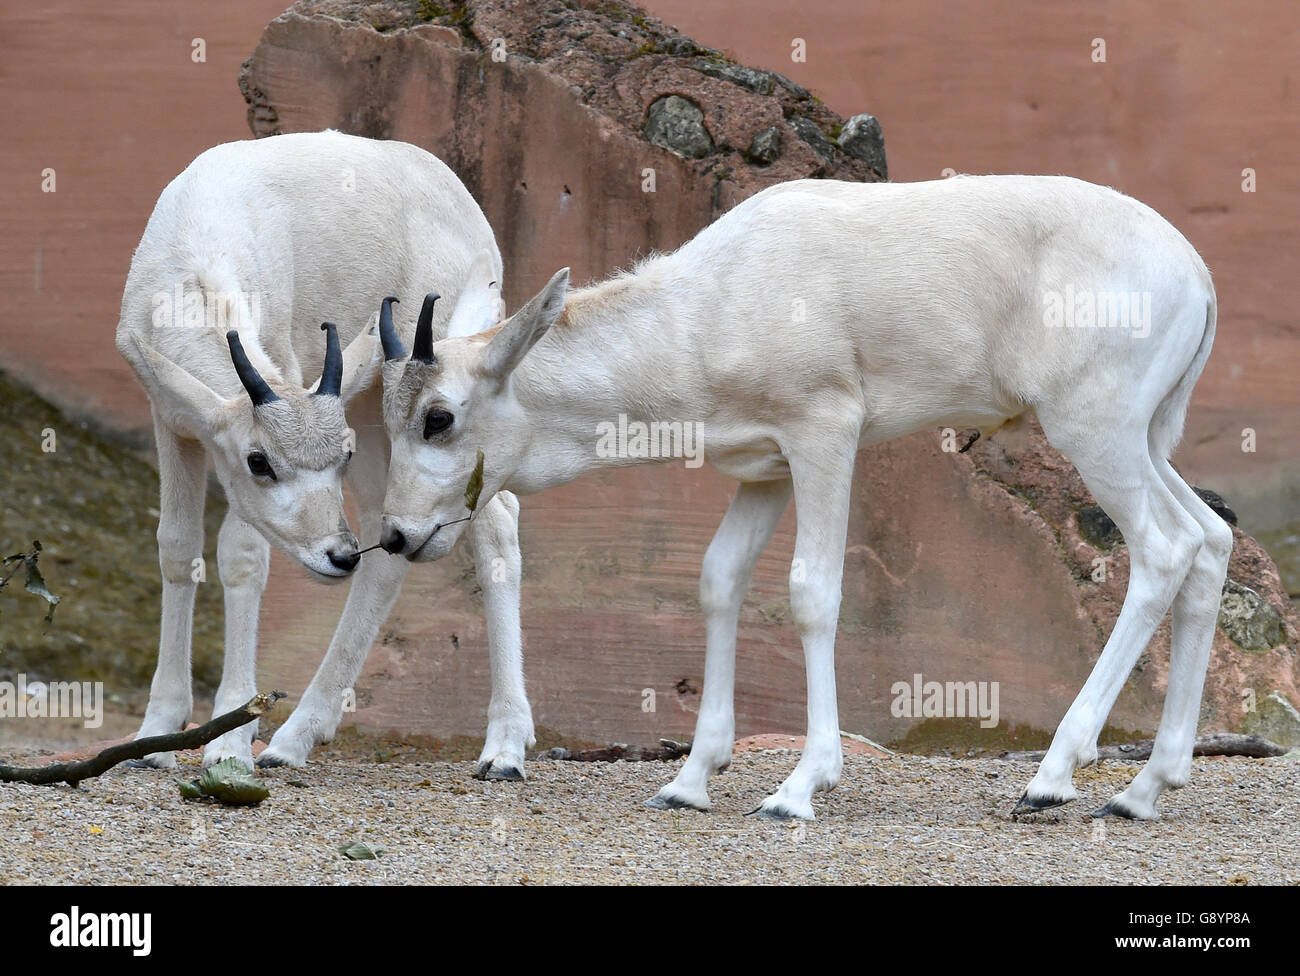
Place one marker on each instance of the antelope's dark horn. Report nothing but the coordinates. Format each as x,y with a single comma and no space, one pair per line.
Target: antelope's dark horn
393,348
423,349
257,389
331,377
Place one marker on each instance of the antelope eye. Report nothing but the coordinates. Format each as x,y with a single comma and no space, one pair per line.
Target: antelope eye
260,466
436,422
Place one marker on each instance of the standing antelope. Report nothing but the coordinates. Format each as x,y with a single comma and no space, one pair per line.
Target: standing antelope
265,239
815,318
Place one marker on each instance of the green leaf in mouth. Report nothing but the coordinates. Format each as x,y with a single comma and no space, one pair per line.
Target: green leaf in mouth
475,486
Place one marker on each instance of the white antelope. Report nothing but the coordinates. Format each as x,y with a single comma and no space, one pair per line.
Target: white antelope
815,318
247,251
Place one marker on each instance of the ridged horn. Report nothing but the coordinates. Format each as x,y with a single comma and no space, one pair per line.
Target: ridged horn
422,351
393,348
331,377
257,389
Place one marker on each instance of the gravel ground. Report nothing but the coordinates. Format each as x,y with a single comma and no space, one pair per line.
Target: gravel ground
904,819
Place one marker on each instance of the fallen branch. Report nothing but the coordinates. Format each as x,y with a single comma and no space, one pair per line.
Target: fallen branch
74,772
668,749
1213,744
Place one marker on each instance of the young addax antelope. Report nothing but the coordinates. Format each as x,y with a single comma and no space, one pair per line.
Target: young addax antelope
818,317
247,252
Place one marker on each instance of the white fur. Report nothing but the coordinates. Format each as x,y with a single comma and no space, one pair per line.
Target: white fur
815,318
318,227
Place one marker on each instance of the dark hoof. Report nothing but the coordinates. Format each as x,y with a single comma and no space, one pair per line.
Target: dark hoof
658,802
1113,809
508,774
269,762
1027,804
778,813
141,764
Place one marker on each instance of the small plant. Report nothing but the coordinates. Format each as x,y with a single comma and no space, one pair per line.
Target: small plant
35,581
427,10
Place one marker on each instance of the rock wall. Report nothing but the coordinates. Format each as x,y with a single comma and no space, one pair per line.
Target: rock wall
961,567
1188,97
596,137
110,99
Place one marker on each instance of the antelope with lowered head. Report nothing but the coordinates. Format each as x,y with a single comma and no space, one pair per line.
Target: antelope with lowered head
818,317
246,252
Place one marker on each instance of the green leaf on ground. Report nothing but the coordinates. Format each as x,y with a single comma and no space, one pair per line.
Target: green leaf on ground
230,782
357,851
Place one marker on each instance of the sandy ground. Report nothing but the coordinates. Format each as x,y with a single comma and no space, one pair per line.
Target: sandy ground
902,819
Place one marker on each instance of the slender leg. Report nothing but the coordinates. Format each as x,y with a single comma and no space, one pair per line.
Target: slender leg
243,559
821,497
1196,610
724,579
1163,540
182,470
374,589
494,542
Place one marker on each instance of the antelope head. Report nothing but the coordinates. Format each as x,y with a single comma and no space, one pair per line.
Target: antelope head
442,405
279,450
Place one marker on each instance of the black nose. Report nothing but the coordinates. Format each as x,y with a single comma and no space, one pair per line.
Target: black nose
392,539
346,561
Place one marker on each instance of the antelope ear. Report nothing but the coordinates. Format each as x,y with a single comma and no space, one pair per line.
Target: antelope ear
184,401
521,332
479,305
361,361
